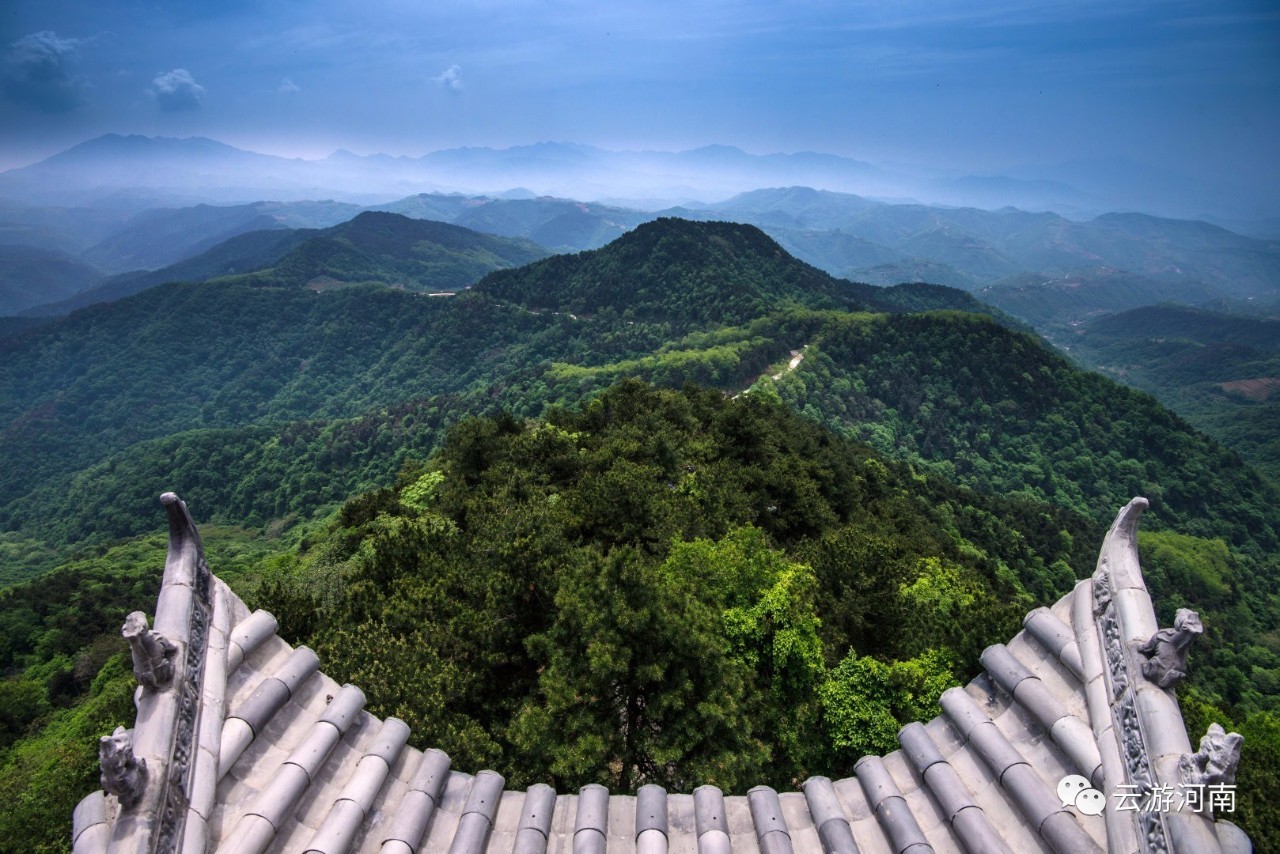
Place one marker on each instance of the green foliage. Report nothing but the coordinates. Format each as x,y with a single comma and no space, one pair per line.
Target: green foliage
422,491
635,684
866,702
769,625
390,249
1220,372
652,588
1258,777
1181,570
944,602
43,777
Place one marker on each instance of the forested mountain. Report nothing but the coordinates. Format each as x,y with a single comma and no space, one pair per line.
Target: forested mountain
373,247
385,248
108,377
30,276
1043,268
1219,371
676,272
672,300
272,404
159,237
252,251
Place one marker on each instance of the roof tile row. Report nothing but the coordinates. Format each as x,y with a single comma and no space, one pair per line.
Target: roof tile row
302,767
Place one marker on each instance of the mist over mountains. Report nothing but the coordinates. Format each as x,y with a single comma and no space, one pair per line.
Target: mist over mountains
119,215
137,172
1045,268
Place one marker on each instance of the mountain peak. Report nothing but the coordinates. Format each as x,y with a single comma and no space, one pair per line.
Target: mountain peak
378,246
675,271
114,144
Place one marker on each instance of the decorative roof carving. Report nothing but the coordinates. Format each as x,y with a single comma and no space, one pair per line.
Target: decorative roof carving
1215,763
1167,649
259,750
152,652
123,774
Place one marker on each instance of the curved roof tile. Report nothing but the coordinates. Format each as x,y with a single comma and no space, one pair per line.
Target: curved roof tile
253,748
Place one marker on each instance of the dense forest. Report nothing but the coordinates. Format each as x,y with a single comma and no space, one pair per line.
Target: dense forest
821,503
1219,371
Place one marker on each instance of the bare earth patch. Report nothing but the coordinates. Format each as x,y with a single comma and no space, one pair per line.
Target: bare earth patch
1261,388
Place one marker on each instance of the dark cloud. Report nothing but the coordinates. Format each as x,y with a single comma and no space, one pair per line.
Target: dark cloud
177,90
37,72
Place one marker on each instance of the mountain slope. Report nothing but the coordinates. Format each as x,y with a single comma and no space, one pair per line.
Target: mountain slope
1221,372
677,271
673,301
252,251
380,248
164,236
31,276
390,249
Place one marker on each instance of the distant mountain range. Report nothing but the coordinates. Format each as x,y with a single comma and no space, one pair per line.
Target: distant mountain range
141,172
1042,267
133,173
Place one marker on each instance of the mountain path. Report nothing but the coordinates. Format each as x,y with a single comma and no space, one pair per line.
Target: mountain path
797,356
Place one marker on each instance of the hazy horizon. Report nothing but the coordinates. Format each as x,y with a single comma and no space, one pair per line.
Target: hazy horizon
950,89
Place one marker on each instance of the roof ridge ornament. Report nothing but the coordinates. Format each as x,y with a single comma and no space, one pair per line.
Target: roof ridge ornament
123,773
1215,763
167,800
1166,650
152,652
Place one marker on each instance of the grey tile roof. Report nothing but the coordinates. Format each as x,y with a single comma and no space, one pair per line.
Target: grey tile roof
254,749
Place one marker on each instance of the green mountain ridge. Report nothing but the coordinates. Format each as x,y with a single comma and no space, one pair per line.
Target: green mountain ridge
1113,262
288,355
692,273
385,248
284,354
372,248
160,237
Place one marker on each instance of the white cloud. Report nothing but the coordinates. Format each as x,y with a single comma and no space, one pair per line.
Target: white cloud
450,78
287,87
176,90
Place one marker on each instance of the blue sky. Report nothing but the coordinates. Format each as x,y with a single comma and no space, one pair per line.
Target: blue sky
958,86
